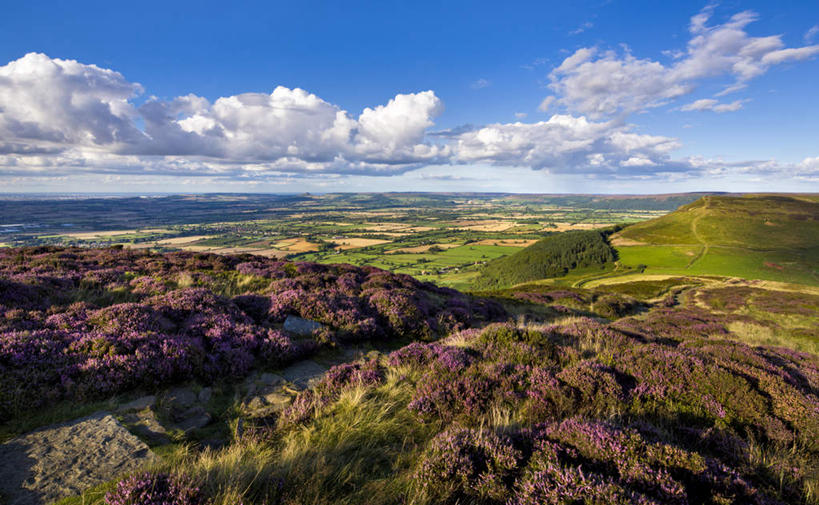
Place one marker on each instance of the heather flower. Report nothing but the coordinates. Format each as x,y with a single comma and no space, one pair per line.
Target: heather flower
155,489
463,464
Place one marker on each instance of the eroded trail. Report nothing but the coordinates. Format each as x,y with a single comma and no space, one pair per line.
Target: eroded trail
695,232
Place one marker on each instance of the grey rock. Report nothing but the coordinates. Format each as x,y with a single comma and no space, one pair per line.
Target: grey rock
193,419
205,395
65,459
180,398
138,404
301,327
145,425
304,373
175,402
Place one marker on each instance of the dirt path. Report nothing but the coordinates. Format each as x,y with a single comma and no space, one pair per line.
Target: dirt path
695,232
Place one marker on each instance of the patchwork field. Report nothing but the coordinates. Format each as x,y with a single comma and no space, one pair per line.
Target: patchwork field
445,238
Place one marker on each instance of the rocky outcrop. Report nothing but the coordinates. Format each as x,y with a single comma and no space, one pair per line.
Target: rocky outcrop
66,459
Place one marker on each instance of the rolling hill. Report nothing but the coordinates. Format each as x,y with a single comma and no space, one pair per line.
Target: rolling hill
767,237
770,237
553,256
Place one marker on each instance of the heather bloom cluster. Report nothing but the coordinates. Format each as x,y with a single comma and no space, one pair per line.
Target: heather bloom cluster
82,323
462,464
695,405
573,461
155,489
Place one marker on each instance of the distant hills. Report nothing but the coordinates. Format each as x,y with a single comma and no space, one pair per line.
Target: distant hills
769,237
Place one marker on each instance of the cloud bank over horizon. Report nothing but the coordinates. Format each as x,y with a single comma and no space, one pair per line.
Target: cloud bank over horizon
62,118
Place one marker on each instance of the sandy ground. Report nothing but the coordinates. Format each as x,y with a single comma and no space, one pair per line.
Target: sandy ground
355,243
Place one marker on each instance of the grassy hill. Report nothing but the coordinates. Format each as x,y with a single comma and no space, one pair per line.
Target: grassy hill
771,237
554,256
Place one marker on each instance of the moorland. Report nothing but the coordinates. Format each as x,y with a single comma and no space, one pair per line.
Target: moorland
658,349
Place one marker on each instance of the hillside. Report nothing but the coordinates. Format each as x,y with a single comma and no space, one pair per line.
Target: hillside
553,256
85,324
199,364
772,237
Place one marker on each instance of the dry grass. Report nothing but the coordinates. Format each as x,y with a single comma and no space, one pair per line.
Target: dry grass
488,225
183,240
296,245
577,226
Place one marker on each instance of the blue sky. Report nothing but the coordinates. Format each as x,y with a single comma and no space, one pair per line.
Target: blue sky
604,96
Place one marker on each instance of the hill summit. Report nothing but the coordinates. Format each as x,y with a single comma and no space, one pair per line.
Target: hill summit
772,237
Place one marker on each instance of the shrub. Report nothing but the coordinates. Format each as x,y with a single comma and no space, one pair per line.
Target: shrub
155,489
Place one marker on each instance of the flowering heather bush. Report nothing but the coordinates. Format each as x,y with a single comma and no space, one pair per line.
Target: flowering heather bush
155,489
462,464
677,323
436,355
694,412
87,323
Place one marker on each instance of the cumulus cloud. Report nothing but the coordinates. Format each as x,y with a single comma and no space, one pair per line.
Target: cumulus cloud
604,83
564,144
84,113
65,102
811,34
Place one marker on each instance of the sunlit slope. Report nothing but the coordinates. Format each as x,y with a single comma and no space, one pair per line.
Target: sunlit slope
770,237
553,256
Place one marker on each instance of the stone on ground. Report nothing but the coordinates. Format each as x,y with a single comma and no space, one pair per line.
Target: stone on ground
301,327
66,459
304,373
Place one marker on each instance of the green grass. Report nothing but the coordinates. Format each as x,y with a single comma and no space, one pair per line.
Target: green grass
753,237
658,259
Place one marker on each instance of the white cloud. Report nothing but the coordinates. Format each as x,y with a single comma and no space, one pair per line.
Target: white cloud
582,28
480,84
563,144
607,83
48,106
713,105
546,103
811,34
55,101
521,115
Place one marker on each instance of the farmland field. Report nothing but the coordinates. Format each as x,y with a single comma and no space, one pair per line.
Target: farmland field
444,238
